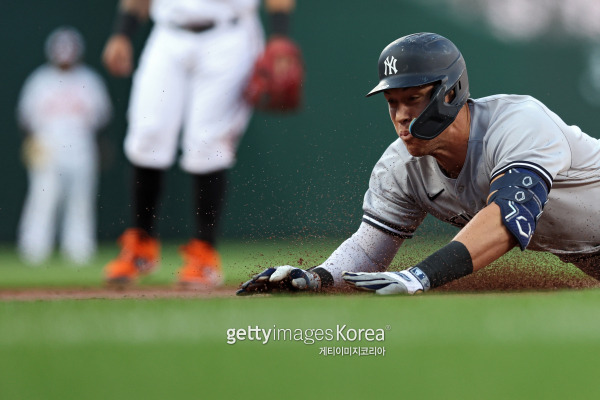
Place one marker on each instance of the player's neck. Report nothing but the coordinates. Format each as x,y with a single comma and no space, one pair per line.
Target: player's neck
451,155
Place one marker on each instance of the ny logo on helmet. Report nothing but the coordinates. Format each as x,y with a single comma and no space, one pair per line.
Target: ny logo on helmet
390,65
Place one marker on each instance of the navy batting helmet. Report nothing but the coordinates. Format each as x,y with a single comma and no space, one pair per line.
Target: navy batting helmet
420,59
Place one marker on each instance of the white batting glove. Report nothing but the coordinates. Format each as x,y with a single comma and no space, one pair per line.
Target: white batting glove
384,283
284,278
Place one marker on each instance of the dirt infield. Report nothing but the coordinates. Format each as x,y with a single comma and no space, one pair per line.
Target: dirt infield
141,292
505,278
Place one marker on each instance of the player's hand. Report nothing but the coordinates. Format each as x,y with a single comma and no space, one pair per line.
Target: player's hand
280,279
402,282
118,55
33,153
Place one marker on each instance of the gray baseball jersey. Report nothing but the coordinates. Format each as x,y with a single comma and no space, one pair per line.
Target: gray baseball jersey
507,131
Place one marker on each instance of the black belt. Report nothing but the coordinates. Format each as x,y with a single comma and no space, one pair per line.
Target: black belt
203,26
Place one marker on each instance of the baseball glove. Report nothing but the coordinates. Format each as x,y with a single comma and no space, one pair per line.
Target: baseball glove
276,81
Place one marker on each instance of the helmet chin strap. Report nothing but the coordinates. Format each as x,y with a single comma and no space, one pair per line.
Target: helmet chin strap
411,125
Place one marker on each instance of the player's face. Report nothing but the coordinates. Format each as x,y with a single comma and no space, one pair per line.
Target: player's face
405,105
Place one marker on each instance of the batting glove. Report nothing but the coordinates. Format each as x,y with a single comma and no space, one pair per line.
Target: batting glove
403,282
285,278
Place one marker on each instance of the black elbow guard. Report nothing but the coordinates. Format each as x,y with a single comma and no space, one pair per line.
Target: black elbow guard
521,195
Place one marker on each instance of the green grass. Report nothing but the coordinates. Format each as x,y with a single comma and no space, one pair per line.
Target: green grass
526,345
440,346
240,258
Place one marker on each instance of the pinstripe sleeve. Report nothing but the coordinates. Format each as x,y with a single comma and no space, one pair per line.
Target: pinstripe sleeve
368,250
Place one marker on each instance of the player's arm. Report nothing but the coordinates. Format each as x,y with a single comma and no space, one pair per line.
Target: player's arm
480,242
33,152
485,237
368,249
515,203
279,15
280,5
118,51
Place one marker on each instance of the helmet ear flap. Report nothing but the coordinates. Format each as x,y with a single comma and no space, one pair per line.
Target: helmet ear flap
461,90
439,114
432,121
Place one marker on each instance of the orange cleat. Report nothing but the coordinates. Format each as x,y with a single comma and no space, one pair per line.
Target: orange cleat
202,266
139,256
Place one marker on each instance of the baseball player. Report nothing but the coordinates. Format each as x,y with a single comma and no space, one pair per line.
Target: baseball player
191,78
61,107
504,168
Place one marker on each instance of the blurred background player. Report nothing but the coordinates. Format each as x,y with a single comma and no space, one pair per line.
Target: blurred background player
191,80
61,107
